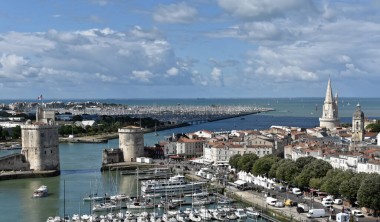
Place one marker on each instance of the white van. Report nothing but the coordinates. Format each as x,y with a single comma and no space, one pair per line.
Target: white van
316,213
271,201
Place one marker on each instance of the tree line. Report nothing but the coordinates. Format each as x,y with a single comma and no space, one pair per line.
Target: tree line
107,124
309,172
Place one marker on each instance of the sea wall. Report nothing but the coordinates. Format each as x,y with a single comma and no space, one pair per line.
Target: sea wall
11,175
13,162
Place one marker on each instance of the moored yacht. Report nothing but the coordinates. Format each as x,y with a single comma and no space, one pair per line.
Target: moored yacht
175,184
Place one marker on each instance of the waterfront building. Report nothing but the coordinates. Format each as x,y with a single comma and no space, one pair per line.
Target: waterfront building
131,142
329,117
223,151
357,125
40,143
188,148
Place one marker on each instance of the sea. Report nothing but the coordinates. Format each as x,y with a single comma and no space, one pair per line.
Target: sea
81,162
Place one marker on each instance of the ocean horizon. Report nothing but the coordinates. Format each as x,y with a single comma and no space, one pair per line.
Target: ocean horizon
296,107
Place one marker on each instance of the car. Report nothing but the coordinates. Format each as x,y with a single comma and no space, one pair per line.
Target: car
296,191
327,204
357,213
338,201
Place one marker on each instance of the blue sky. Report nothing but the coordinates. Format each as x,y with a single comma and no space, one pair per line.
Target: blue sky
188,49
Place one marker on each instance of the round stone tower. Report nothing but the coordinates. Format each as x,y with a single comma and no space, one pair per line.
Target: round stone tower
40,146
357,125
131,142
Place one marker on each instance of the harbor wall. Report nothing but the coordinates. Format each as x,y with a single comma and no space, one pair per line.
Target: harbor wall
13,162
11,175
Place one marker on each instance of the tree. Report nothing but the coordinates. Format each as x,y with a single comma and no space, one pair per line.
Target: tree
287,171
273,169
316,169
16,132
246,162
263,165
369,192
373,127
303,161
333,179
315,183
234,160
349,188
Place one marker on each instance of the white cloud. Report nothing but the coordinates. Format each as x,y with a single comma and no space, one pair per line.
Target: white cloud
175,13
262,9
89,57
173,71
216,75
142,76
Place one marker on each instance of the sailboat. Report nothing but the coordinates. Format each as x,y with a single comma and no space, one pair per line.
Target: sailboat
155,130
139,202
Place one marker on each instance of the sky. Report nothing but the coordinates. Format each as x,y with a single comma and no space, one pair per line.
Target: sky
188,49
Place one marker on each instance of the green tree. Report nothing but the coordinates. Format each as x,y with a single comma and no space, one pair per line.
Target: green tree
263,165
349,188
316,169
369,192
16,132
273,169
246,162
315,183
333,179
303,161
234,160
287,171
373,127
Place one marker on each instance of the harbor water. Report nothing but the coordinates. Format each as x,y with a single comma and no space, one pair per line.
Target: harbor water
80,162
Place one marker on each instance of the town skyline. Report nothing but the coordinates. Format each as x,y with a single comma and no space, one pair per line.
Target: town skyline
104,49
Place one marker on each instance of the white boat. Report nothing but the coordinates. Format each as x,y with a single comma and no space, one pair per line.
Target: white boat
193,216
201,202
205,214
175,184
95,197
240,213
119,197
105,207
42,191
251,212
231,215
139,205
200,194
219,215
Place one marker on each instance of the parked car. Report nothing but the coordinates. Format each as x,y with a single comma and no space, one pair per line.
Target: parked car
316,213
338,201
357,213
296,191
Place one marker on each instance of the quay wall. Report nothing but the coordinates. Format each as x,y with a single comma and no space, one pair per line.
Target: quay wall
13,162
11,175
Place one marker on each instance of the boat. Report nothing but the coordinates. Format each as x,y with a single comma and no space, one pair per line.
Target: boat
175,184
95,197
205,214
105,207
198,194
240,213
251,212
42,191
194,216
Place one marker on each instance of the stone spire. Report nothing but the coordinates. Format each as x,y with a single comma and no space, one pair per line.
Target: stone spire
329,117
329,97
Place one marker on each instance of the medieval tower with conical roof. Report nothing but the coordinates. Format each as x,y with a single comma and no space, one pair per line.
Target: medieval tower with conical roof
329,117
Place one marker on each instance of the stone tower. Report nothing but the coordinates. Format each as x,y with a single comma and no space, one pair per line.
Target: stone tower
329,117
40,143
131,142
357,125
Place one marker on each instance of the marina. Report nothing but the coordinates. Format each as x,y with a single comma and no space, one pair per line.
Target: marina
80,173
